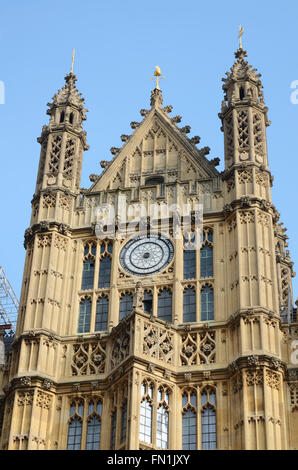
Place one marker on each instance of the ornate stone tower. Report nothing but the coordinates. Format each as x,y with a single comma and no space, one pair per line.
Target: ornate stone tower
131,337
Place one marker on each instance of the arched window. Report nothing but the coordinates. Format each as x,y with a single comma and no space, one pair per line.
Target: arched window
102,311
206,255
74,434
75,426
62,116
189,305
208,419
84,316
88,274
145,434
113,429
207,304
148,302
123,422
71,118
104,272
207,261
162,424
165,305
189,421
189,264
93,425
241,93
125,306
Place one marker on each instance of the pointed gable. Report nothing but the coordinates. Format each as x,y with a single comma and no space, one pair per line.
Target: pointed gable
156,147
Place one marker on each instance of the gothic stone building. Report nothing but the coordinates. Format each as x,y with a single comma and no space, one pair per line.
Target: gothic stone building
142,342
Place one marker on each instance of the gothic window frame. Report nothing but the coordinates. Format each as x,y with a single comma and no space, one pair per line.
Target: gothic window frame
163,399
154,397
84,317
89,256
207,268
210,406
198,408
76,415
210,316
146,419
169,316
148,292
189,287
104,314
126,293
91,415
189,401
105,252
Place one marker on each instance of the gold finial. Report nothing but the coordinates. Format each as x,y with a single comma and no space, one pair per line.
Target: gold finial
241,32
73,54
158,76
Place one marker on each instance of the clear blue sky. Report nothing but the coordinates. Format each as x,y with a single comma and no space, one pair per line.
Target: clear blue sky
117,46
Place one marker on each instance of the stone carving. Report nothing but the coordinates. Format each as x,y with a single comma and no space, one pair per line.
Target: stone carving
48,200
120,350
55,155
44,240
198,348
65,202
138,297
43,400
244,176
246,217
272,379
254,377
60,242
25,398
158,343
252,361
88,359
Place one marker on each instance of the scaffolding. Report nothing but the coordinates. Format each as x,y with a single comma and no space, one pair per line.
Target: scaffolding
9,304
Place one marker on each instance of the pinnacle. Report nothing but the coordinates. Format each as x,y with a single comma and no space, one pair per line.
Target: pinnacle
156,98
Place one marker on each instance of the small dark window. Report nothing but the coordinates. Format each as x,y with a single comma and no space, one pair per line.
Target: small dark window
207,304
104,272
154,180
206,261
189,305
88,274
62,116
71,118
148,302
189,264
165,305
125,307
242,93
84,316
102,311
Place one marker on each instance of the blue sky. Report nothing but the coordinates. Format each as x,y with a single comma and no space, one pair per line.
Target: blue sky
117,46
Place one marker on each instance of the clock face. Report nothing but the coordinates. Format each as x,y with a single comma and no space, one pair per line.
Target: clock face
146,254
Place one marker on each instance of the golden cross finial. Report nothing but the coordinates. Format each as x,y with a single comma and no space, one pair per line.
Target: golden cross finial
241,32
158,76
73,54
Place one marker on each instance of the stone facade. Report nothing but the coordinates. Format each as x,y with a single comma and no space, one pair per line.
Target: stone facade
237,365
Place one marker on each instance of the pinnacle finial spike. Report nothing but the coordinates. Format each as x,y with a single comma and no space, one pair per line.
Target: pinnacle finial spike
72,62
241,32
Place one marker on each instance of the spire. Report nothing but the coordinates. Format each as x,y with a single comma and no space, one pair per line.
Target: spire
69,95
156,94
63,140
244,113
